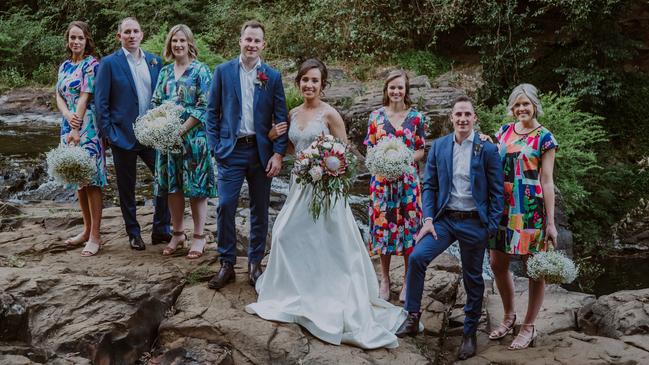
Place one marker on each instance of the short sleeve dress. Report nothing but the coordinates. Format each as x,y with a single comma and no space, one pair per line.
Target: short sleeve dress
395,210
192,171
522,226
74,79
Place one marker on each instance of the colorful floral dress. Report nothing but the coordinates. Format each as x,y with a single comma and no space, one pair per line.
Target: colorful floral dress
395,206
522,225
74,79
192,171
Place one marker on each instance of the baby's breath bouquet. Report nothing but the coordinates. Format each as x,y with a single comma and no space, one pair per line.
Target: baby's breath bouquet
552,266
71,165
390,158
328,166
160,128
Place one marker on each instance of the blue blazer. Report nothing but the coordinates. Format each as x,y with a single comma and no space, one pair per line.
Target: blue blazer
116,103
487,180
224,111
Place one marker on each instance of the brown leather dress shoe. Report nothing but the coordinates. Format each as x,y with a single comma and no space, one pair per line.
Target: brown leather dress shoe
136,243
223,277
254,272
409,327
468,347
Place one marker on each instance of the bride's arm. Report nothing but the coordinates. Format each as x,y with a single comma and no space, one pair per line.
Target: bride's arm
336,125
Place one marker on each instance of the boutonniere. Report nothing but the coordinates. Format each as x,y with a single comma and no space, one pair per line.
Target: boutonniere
262,79
153,62
477,148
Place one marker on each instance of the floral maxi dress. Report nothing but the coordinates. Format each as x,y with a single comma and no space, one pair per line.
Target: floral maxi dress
395,206
192,171
522,225
74,79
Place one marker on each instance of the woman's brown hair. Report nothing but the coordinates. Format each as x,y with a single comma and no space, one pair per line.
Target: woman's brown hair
309,64
90,43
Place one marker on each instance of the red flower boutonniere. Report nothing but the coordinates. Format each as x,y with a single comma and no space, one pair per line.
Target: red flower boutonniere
262,79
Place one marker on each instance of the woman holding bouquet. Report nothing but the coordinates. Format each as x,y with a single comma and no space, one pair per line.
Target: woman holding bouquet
74,89
527,151
319,274
189,173
395,205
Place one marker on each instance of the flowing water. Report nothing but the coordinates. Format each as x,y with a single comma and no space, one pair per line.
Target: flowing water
24,141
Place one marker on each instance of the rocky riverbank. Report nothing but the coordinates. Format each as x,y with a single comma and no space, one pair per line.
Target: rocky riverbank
128,307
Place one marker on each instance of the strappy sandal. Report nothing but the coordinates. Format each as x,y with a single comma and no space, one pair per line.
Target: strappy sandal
76,240
194,253
528,340
402,295
384,290
170,250
502,330
91,248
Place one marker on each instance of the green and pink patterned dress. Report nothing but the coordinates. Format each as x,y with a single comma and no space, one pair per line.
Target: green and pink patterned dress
395,206
192,171
74,79
522,226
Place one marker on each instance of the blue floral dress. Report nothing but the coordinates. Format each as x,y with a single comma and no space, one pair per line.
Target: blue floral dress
192,171
74,79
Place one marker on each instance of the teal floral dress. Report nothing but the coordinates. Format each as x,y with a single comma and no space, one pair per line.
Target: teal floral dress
192,171
74,79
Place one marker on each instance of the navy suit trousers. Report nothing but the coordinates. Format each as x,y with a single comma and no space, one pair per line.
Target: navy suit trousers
242,163
472,236
126,168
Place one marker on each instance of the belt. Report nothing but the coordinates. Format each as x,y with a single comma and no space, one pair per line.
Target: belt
251,139
459,214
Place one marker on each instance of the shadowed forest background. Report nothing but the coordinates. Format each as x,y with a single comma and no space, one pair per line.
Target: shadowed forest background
590,58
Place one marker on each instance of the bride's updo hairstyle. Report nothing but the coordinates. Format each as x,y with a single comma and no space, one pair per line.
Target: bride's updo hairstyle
309,64
395,74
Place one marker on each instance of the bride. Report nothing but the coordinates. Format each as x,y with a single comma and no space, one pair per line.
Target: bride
319,274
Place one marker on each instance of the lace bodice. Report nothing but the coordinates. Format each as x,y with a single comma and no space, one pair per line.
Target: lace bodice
302,138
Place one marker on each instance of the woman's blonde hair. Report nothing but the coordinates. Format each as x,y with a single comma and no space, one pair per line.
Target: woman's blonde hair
191,46
531,92
395,74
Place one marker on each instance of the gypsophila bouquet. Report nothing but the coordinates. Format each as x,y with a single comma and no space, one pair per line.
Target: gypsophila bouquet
328,166
552,266
390,158
71,165
160,128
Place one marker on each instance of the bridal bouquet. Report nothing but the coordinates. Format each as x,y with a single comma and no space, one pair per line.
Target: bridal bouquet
390,158
160,128
553,266
71,165
328,166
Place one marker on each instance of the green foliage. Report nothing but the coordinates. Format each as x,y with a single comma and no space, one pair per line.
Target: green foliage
10,78
155,44
293,98
201,273
578,134
423,63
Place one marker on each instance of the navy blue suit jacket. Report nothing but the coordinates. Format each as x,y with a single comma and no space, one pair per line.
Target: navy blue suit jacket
487,180
224,111
116,103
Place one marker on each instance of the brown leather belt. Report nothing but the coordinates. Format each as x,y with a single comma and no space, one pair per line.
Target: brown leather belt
251,139
459,214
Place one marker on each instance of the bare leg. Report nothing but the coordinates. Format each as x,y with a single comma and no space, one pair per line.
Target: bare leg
199,215
384,289
176,203
85,214
500,266
95,201
402,295
526,333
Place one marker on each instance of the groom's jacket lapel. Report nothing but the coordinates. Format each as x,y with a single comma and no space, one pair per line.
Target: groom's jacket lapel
123,63
236,81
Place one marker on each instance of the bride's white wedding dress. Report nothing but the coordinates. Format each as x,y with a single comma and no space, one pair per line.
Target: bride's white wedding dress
319,274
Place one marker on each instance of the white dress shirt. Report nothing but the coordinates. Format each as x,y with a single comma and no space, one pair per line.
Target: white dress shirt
461,198
247,80
141,77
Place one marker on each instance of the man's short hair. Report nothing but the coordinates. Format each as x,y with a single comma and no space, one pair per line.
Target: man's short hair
462,99
119,25
253,24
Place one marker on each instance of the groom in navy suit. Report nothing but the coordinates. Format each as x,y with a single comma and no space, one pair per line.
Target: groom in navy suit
462,201
246,99
125,82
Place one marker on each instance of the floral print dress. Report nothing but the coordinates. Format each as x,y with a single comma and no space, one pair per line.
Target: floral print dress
395,206
522,225
74,79
192,171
